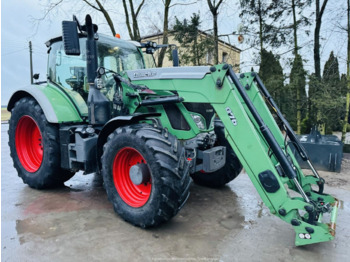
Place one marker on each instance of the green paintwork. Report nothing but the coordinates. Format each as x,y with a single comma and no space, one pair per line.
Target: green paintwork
247,142
63,106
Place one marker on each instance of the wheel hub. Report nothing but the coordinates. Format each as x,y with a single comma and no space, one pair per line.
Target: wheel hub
132,177
29,145
139,174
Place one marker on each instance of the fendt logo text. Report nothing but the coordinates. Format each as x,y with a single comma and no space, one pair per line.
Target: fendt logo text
144,74
231,116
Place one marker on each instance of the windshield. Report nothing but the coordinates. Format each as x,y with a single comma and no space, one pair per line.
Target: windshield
118,55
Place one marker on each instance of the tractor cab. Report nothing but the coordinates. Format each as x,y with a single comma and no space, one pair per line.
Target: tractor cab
76,58
69,71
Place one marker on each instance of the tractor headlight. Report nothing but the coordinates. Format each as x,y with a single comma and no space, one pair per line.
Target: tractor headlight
199,121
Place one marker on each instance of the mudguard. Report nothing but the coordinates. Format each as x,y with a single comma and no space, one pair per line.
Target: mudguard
116,122
58,107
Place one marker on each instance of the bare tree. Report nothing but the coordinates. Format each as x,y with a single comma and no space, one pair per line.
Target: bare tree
167,5
131,13
214,7
96,5
165,32
345,121
101,9
133,28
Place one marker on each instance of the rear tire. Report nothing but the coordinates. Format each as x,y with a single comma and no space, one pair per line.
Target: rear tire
34,146
166,189
231,169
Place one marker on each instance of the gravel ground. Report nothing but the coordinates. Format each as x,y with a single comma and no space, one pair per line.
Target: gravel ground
339,180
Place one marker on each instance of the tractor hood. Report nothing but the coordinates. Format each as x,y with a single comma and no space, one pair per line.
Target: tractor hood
186,72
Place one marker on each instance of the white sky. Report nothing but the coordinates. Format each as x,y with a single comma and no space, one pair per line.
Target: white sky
18,27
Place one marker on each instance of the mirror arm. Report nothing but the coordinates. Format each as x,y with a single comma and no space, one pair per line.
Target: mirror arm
78,24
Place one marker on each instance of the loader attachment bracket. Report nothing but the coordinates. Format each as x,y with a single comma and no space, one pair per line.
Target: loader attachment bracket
218,74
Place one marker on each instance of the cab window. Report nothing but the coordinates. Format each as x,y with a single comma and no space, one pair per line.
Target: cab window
149,60
70,71
65,70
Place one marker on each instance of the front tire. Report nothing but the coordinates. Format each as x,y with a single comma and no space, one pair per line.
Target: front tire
228,172
165,187
34,146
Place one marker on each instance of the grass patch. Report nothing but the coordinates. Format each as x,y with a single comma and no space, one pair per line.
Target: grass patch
5,115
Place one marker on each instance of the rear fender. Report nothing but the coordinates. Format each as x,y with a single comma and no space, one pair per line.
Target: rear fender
57,107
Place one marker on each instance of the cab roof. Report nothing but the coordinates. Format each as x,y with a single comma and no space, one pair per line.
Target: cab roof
102,38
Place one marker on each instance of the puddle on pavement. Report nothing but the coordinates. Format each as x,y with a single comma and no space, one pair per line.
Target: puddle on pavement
217,210
66,202
249,202
211,223
80,193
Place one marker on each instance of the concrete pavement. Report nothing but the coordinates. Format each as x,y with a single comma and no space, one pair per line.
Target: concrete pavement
77,223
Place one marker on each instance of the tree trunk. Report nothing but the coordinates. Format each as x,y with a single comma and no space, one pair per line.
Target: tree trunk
214,11
298,95
295,28
216,39
165,32
134,32
317,58
101,9
127,21
345,121
298,110
106,15
260,29
135,26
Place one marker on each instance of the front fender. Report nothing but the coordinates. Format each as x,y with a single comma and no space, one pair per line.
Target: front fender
116,122
57,107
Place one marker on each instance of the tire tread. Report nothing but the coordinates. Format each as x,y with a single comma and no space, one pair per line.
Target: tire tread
173,184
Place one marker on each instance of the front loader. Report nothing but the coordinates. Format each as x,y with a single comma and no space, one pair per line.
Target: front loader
148,131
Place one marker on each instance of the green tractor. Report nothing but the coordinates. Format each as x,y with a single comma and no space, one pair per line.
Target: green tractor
149,131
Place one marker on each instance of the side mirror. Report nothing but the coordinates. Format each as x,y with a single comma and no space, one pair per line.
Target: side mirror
175,56
70,38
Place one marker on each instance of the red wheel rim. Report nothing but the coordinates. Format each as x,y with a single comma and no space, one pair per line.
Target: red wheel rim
29,146
133,195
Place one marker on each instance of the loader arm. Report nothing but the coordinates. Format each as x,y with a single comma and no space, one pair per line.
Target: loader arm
260,146
309,227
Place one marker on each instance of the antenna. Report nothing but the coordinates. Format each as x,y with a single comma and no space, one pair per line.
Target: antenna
31,62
